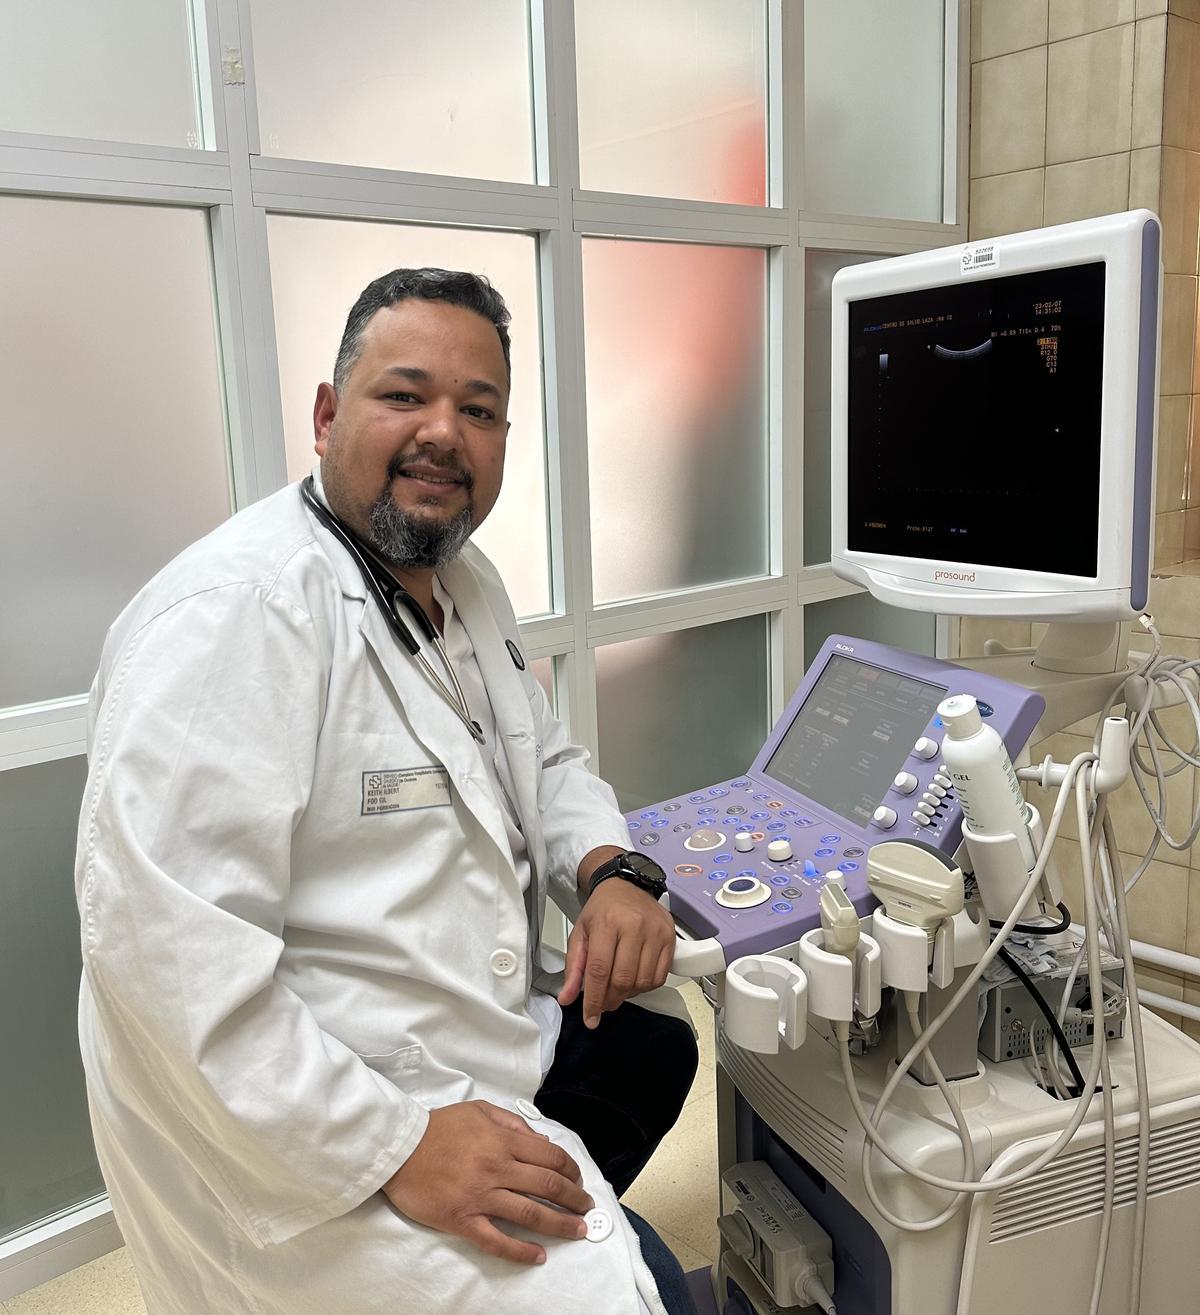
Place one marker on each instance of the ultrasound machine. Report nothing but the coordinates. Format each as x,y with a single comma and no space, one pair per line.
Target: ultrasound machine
937,1091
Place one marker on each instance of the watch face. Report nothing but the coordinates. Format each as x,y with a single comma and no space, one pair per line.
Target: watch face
644,867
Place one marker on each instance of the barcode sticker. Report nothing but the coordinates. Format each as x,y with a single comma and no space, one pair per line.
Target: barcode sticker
984,255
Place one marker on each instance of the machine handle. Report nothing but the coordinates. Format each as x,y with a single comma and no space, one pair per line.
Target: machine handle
695,958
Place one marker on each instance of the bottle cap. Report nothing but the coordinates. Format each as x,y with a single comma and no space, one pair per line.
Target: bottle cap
960,716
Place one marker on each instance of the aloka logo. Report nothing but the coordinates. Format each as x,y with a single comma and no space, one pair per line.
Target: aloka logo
965,577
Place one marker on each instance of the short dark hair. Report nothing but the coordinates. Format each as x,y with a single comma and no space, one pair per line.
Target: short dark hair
471,291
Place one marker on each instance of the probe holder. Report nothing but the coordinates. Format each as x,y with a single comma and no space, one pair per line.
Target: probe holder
838,986
1001,875
905,952
765,999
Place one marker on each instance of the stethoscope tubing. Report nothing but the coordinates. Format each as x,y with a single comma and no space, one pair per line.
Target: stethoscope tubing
391,596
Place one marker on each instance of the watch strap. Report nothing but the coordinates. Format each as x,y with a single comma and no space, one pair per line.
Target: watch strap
619,866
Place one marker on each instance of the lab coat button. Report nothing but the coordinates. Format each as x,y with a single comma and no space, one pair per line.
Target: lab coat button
528,1109
504,963
599,1225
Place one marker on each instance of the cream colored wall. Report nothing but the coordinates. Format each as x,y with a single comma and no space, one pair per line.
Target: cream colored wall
1079,108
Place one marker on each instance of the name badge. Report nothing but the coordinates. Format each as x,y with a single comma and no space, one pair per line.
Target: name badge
404,789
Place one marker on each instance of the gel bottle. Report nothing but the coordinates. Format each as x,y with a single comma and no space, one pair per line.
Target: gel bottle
978,763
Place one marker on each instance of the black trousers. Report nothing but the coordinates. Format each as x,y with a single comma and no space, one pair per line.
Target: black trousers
620,1088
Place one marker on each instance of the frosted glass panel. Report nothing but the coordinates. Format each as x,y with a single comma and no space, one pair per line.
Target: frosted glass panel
115,451
397,84
873,105
676,401
819,269
318,269
861,617
45,1139
117,71
681,710
672,98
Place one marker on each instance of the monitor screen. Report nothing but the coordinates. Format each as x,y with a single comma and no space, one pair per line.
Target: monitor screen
852,735
973,422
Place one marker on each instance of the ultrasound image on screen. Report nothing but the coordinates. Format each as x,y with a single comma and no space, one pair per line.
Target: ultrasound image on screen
974,421
852,735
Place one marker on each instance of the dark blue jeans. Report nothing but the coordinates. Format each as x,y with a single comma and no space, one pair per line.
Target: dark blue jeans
620,1089
661,1262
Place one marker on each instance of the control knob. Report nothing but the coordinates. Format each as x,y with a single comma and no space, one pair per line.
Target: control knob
926,748
779,851
884,817
743,842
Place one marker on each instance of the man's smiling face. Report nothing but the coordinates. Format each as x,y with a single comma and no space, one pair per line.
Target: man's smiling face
412,448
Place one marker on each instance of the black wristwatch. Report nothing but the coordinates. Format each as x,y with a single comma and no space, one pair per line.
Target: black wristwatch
634,867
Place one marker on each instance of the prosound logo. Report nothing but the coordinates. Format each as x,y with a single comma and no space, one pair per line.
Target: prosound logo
961,577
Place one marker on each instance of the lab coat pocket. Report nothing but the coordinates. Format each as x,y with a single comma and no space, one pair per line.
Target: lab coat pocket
403,1068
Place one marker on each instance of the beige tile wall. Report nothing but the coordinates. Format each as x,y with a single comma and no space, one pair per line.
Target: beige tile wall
1084,107
1078,108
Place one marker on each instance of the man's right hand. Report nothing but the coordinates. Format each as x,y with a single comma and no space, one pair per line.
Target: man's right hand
477,1162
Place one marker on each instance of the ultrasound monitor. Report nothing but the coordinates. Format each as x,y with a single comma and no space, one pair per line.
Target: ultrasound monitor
993,422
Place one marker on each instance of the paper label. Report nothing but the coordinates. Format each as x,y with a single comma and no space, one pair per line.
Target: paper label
983,255
404,788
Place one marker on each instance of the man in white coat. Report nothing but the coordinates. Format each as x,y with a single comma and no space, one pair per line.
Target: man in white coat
311,868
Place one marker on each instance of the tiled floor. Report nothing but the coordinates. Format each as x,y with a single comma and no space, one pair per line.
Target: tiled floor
677,1193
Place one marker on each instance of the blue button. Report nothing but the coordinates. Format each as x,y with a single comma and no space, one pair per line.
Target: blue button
760,796
747,872
660,823
650,812
717,876
811,869
696,798
723,858
804,821
939,723
848,867
781,906
823,853
787,812
759,817
776,826
730,821
718,791
706,812
740,785
780,881
635,826
741,885
830,840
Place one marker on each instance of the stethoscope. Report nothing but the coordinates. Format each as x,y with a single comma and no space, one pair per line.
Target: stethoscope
392,597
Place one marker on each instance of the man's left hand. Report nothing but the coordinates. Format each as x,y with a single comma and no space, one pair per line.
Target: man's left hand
621,946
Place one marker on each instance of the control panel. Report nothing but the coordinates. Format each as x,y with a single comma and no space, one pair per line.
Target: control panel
855,759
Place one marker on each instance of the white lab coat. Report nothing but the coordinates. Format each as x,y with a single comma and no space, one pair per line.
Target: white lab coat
278,982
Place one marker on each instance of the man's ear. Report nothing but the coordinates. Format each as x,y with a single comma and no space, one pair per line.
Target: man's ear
324,410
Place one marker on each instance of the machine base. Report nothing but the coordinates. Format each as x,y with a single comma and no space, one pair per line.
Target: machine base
791,1111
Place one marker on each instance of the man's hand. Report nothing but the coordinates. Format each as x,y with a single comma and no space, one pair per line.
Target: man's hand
621,946
477,1162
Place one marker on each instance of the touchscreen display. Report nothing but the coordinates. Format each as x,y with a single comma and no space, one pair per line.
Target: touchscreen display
852,735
